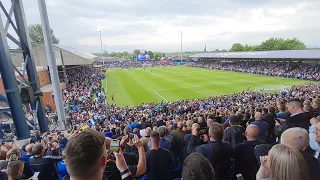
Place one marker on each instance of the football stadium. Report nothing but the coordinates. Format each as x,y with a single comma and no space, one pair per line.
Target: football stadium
113,111
164,84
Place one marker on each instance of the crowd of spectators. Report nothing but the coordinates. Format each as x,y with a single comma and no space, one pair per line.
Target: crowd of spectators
137,64
254,135
293,70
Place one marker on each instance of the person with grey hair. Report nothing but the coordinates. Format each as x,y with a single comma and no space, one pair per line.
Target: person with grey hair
177,143
197,167
165,142
298,138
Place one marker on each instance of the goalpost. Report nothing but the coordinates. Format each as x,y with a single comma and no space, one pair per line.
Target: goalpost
272,88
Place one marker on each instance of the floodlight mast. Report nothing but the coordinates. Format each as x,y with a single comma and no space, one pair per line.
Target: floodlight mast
102,53
180,45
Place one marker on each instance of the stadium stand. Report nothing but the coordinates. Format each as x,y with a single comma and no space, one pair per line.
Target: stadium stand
190,129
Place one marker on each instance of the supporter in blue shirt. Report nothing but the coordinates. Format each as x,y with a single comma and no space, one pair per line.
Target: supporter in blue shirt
108,133
62,169
282,114
26,156
262,125
133,124
165,142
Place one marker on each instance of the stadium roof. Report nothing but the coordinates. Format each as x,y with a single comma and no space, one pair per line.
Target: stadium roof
285,54
70,56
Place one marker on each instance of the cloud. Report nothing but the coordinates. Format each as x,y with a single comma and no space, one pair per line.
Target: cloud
154,24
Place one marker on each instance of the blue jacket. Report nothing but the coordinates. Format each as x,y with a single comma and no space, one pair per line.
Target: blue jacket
313,143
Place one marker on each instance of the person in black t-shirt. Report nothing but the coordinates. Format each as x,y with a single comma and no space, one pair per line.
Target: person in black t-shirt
245,160
218,152
159,161
44,164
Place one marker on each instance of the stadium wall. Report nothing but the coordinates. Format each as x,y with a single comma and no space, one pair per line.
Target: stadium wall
43,76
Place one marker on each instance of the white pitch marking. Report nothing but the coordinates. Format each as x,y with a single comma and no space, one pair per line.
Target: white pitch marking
160,96
202,85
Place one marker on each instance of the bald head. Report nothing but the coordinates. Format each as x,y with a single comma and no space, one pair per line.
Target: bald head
258,116
252,132
180,125
148,131
189,123
296,137
195,126
29,148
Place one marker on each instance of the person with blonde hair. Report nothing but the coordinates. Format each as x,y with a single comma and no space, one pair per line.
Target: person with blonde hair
283,163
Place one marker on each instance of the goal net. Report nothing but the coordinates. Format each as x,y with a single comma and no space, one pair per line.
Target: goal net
273,88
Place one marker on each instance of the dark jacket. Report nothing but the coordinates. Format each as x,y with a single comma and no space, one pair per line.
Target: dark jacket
316,112
234,135
46,166
160,123
270,119
177,140
312,165
300,120
35,139
219,153
245,160
159,164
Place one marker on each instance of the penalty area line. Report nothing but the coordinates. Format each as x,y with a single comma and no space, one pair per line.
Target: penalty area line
160,96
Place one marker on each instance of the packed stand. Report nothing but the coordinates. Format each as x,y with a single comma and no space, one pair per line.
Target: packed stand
302,71
251,135
136,64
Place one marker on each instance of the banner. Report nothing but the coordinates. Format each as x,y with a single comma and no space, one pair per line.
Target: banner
143,57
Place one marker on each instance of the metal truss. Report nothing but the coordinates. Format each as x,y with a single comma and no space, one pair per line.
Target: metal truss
16,19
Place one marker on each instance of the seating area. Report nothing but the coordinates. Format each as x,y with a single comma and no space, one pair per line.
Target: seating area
246,134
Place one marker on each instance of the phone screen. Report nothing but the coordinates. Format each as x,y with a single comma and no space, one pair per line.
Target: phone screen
114,145
240,177
35,175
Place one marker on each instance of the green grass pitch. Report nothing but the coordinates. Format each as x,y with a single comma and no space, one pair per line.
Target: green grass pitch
137,86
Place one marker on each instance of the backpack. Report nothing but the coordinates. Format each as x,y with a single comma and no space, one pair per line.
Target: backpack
239,137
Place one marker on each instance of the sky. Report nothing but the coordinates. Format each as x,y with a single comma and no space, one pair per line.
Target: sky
156,24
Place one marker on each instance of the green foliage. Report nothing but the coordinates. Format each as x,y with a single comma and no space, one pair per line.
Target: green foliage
150,54
136,51
237,47
271,44
36,35
157,55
